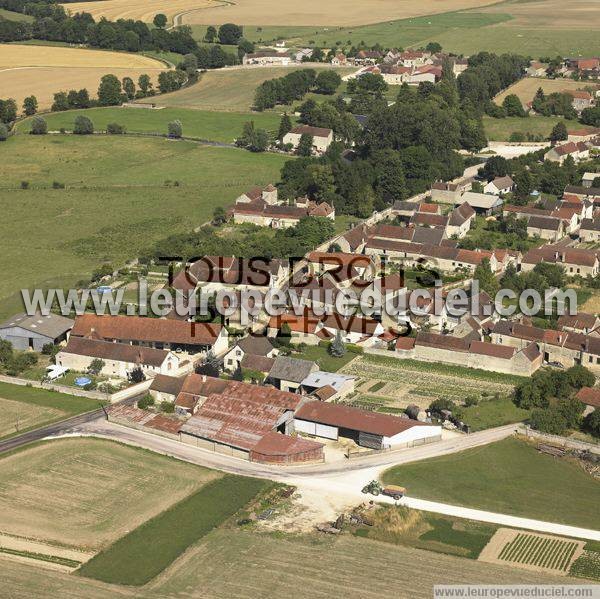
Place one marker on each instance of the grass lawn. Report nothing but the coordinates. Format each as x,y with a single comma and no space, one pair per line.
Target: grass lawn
227,89
484,238
424,530
147,550
94,491
489,413
115,205
214,126
25,408
9,15
500,129
323,358
508,477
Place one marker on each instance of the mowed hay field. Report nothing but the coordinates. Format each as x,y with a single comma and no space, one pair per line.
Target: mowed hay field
536,28
507,477
214,126
234,563
88,492
116,202
16,416
45,70
316,12
227,89
500,129
138,10
526,88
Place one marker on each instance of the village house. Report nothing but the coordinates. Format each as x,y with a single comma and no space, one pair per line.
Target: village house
262,207
33,332
288,373
353,329
588,179
342,265
321,137
156,333
252,345
119,359
577,150
590,397
536,69
545,227
303,55
574,261
581,322
581,99
589,230
565,347
460,221
367,57
339,60
484,204
499,186
267,58
432,347
448,192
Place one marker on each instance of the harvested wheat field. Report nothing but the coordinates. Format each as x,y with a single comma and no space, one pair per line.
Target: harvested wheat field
525,88
45,70
315,12
86,493
227,89
18,416
139,10
549,14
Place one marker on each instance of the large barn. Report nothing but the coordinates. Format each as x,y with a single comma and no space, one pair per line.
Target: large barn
368,429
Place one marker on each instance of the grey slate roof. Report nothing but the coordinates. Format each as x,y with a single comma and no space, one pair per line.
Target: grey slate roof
291,369
51,326
258,345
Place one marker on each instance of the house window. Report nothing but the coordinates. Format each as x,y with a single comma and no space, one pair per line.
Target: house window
591,359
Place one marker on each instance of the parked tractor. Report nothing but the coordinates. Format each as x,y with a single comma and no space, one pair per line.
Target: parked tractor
376,488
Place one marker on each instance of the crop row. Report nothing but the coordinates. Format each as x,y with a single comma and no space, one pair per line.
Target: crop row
554,554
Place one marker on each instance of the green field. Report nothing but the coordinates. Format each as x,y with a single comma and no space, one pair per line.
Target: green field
116,202
489,413
24,408
500,129
499,28
223,127
508,477
543,552
9,15
227,89
146,551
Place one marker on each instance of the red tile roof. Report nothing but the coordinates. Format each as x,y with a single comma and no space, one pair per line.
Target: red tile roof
138,328
355,419
589,396
277,444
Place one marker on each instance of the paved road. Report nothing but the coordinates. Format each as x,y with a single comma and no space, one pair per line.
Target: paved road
58,428
339,483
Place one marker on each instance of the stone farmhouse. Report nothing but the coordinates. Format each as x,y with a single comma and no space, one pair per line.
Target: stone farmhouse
251,346
119,359
157,333
263,208
321,137
574,261
589,230
499,186
566,347
577,150
432,347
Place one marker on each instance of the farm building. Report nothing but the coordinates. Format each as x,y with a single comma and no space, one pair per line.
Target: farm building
33,332
158,333
368,429
250,422
287,374
119,358
342,384
322,137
